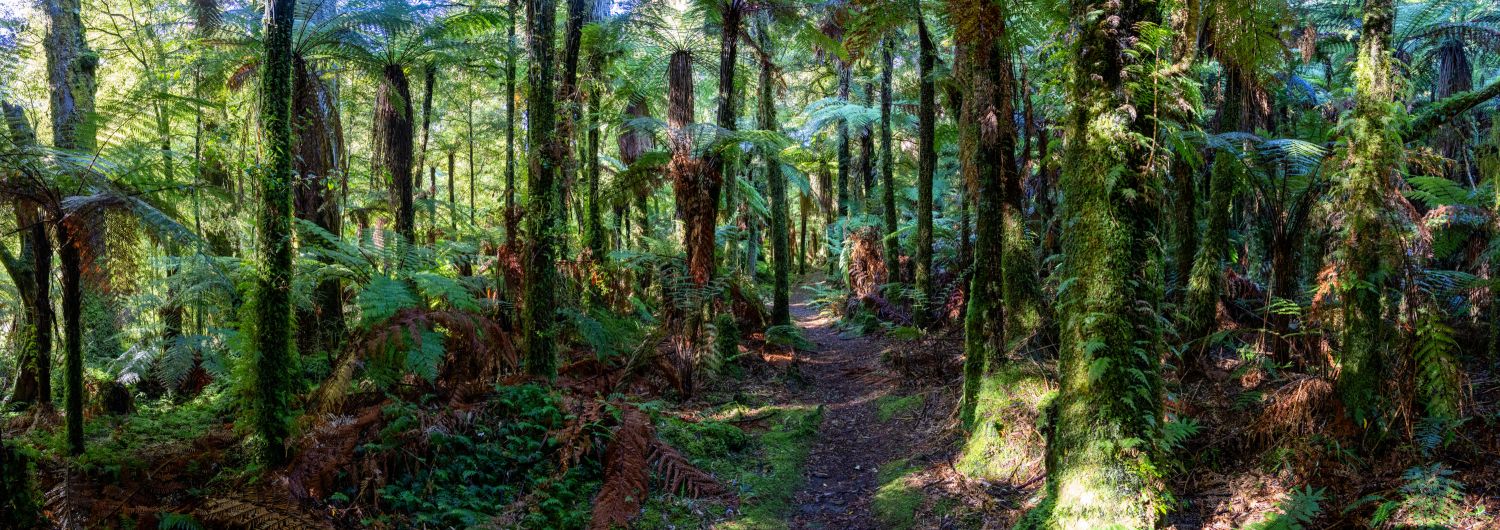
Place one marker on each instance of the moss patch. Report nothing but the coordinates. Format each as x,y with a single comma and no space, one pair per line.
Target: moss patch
892,406
763,468
1006,442
896,500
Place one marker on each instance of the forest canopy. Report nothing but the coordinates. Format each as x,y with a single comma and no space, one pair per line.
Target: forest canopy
603,264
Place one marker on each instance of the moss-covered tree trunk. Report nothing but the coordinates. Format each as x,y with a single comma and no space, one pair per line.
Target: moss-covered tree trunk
926,168
274,381
1206,279
429,82
781,251
1376,156
1108,404
544,195
987,141
889,214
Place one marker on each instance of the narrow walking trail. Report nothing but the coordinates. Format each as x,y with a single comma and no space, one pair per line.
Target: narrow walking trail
844,375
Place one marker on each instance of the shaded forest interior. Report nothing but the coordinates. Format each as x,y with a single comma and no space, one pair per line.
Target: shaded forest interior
743,264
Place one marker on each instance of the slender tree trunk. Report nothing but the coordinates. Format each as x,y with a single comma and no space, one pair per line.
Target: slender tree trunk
1109,388
867,155
510,126
1206,279
845,157
274,381
927,166
544,202
1375,152
987,142
781,251
888,166
429,81
70,74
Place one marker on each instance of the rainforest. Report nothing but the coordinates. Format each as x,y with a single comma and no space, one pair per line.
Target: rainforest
750,264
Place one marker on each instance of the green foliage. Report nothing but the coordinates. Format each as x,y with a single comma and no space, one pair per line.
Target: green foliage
20,502
766,466
1437,367
1294,512
1430,500
466,474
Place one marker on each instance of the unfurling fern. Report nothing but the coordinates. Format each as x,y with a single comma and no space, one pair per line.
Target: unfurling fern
1437,374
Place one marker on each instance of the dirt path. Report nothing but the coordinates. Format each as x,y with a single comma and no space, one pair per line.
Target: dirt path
844,375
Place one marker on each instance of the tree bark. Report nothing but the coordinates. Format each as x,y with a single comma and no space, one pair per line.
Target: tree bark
888,166
1376,153
1108,406
274,379
319,148
538,317
926,167
781,251
393,112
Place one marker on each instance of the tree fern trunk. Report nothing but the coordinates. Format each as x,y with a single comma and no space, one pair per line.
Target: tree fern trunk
393,110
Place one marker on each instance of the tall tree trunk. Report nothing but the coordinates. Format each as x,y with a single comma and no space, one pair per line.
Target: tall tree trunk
511,213
867,155
888,165
319,148
274,379
70,74
845,157
394,113
1108,406
926,167
987,142
781,251
429,81
1375,152
544,201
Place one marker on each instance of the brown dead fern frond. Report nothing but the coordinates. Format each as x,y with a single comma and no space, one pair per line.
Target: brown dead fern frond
681,476
256,512
1305,406
626,472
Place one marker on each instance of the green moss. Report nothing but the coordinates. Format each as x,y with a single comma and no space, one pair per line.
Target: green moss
1006,443
890,406
896,500
764,469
